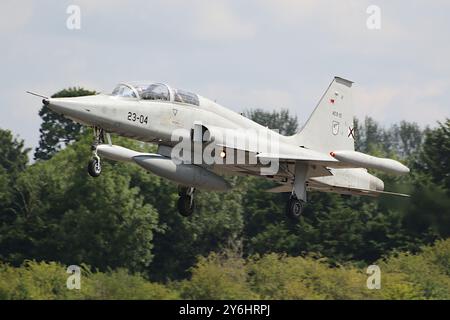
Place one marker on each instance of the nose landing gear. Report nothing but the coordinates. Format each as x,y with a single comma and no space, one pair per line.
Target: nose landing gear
94,165
186,203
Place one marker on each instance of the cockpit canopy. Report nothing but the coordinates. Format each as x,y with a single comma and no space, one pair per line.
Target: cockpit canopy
125,91
155,91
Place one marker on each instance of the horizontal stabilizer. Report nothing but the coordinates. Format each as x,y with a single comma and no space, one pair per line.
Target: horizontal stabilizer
354,191
336,189
394,194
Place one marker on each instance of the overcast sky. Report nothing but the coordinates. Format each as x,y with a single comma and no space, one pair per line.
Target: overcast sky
244,54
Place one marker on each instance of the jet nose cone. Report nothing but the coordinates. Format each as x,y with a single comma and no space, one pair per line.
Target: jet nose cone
70,108
58,105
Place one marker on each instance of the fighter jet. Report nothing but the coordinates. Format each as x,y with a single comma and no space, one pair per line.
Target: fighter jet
320,157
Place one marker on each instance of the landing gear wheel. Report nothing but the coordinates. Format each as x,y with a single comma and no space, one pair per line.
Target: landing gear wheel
294,208
94,167
186,204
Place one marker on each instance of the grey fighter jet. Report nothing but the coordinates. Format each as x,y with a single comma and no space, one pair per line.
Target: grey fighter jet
200,141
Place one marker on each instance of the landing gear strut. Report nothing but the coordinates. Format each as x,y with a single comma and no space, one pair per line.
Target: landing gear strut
94,165
186,203
294,208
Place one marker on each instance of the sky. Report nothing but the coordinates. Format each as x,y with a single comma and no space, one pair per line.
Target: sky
243,54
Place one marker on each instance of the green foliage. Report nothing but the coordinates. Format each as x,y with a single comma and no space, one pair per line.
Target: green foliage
218,277
47,281
34,281
13,161
13,154
435,156
56,130
228,276
61,214
281,277
402,140
428,212
427,273
120,285
5,193
216,225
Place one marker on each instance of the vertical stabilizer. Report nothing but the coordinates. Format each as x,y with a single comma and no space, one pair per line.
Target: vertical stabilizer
330,126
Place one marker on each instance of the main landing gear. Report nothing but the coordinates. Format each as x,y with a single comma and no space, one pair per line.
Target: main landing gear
186,203
295,207
297,201
94,165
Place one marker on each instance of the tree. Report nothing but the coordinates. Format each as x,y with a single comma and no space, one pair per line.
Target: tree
401,141
60,214
215,226
13,161
408,138
56,130
371,136
434,158
13,154
344,228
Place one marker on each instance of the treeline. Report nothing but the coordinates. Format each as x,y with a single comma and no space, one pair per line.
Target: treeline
52,210
228,276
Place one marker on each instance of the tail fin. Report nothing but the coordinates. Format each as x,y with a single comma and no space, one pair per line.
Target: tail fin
330,126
